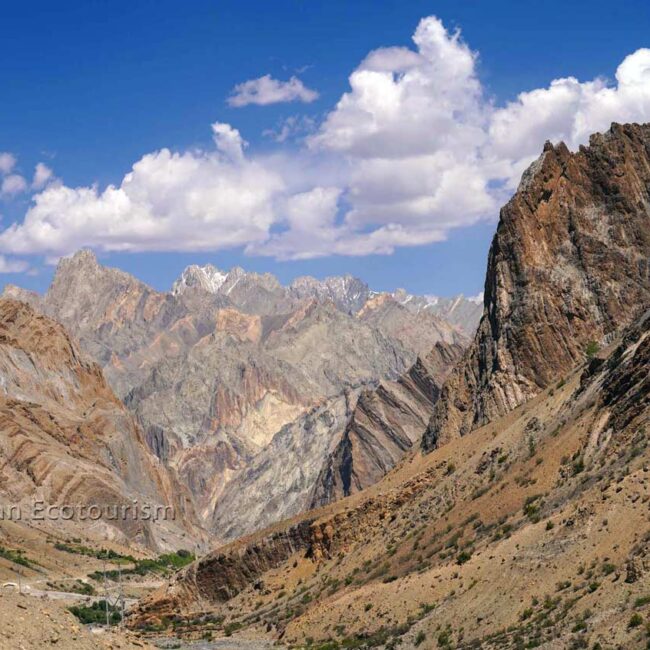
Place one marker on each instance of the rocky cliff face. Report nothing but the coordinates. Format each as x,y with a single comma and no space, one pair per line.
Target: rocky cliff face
67,440
569,265
280,479
385,424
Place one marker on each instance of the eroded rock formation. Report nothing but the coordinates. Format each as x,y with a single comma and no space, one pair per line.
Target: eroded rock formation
66,440
569,265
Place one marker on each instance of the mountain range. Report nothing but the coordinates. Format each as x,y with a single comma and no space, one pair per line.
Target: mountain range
245,388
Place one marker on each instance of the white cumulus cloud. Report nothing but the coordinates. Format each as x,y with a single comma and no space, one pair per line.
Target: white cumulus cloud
42,176
267,90
12,185
413,149
7,162
228,141
168,201
569,110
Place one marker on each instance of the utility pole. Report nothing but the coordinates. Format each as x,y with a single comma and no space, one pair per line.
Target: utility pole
121,596
108,621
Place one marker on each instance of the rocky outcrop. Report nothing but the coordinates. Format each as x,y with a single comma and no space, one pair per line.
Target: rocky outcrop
569,265
221,575
386,423
279,480
66,440
625,386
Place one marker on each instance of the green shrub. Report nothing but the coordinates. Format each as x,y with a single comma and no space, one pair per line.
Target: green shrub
163,564
463,557
592,349
96,613
17,557
608,568
232,627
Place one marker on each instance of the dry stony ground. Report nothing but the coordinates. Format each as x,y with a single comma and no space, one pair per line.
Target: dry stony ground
530,532
33,621
28,623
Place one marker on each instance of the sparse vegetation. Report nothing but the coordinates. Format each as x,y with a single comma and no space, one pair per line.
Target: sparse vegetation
463,556
96,613
592,349
608,568
75,587
98,553
17,557
164,565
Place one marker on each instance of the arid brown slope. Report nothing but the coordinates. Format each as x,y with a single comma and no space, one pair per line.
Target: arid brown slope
533,532
386,423
569,264
31,624
66,439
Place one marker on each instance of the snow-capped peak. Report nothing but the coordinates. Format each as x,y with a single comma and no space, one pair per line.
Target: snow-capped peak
208,277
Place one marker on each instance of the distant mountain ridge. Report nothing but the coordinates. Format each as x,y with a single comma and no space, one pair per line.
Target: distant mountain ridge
348,293
230,367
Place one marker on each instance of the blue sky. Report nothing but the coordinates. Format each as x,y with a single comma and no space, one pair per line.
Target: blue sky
89,88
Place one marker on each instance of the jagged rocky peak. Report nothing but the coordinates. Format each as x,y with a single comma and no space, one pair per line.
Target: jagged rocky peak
251,292
345,291
84,264
81,283
208,277
568,266
15,292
